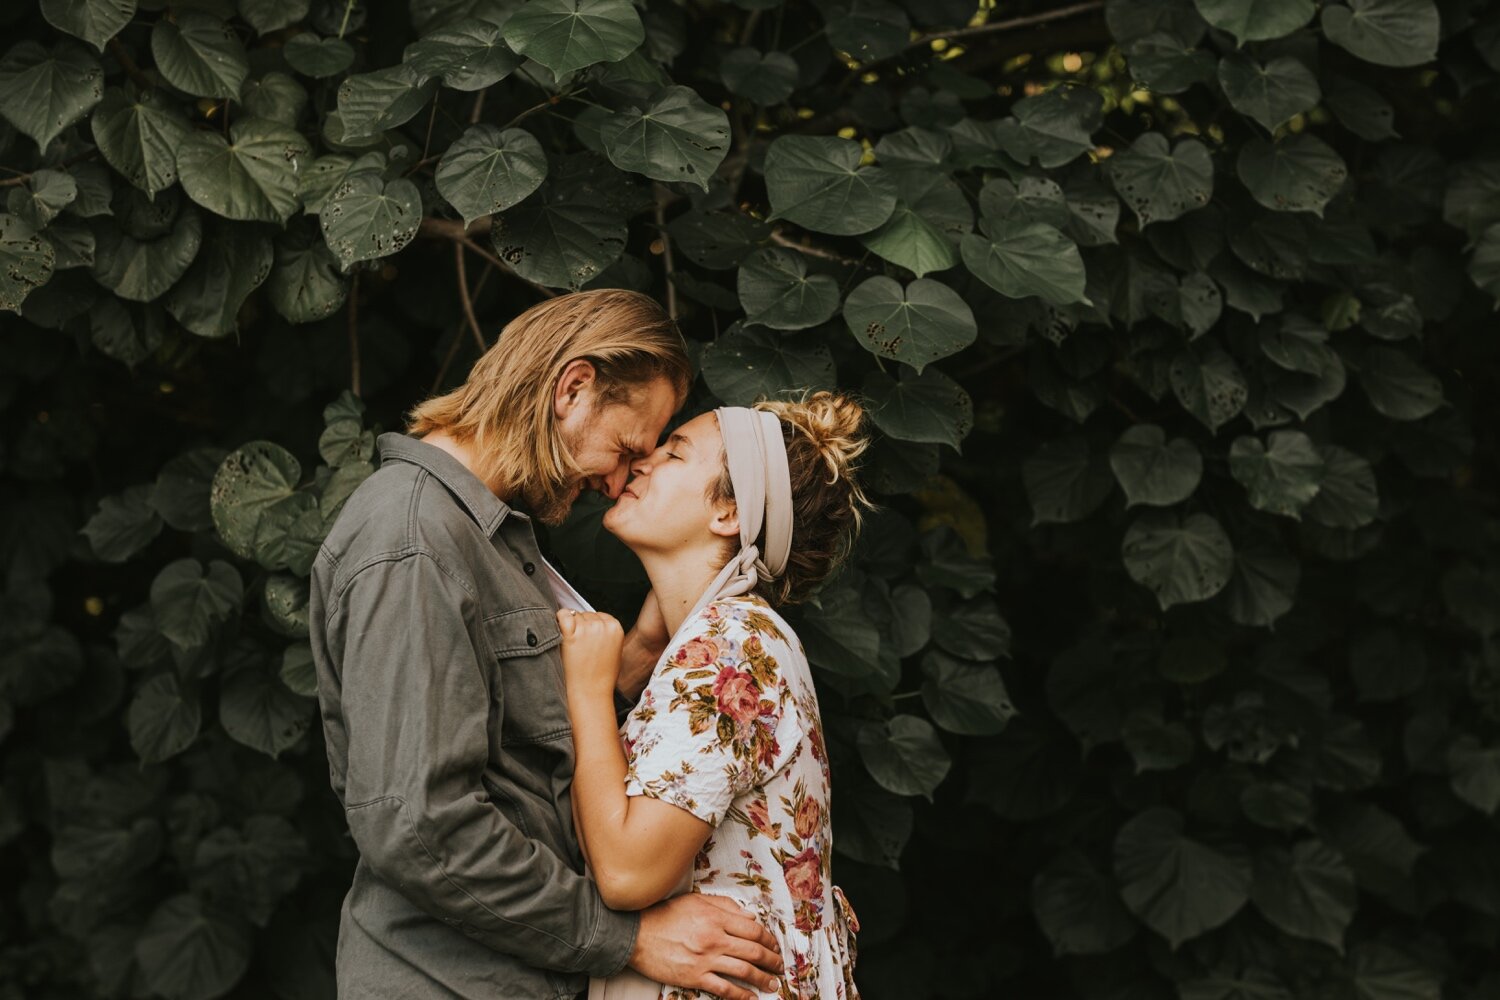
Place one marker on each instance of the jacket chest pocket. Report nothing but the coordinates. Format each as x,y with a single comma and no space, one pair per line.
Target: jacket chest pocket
527,677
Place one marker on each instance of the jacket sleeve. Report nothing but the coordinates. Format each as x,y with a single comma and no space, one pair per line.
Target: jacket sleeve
415,703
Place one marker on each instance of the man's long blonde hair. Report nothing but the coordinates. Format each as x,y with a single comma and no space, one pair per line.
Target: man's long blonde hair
504,412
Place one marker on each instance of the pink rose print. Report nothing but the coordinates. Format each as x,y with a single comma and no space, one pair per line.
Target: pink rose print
698,652
809,817
804,875
738,696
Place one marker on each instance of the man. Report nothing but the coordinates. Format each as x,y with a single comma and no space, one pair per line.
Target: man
441,687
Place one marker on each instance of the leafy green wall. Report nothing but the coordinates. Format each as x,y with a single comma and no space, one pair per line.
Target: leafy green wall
1168,668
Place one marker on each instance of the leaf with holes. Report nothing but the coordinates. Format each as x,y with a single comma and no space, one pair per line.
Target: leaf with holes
26,261
1209,385
927,407
1300,173
365,218
252,176
677,136
917,324
1162,183
489,169
370,103
562,244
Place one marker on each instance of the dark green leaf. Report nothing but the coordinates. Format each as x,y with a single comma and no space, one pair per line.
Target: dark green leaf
200,54
489,170
1209,385
1064,482
182,489
818,183
563,244
305,284
927,407
917,324
766,78
365,218
1385,32
1180,560
1034,259
125,524
753,363
232,265
567,35
163,719
1256,20
1179,886
42,92
259,711
1308,892
370,103
965,698
142,269
904,755
1152,470
677,136
26,262
95,21
318,57
139,136
266,16
776,290
1078,907
1273,94
468,54
1263,585
1397,386
1281,475
1161,183
252,481
191,950
188,603
1300,173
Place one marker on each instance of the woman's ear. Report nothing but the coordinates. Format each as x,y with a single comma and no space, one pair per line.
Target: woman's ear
568,393
726,521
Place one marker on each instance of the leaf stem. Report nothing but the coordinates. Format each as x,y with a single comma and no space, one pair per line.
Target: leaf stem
128,64
344,24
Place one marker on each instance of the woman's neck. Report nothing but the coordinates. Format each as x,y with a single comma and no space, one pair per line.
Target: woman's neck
679,579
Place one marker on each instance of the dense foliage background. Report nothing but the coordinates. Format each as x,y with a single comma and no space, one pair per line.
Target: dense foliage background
1175,319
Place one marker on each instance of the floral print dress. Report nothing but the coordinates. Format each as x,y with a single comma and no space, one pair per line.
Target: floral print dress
728,729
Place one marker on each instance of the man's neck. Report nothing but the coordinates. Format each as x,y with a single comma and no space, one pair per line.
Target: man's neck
443,441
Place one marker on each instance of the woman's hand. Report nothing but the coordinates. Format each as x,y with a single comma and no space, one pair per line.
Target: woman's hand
591,642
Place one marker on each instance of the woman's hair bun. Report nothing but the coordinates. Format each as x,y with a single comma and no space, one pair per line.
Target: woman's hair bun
832,422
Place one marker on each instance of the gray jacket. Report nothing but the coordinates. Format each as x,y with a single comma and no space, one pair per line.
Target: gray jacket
441,688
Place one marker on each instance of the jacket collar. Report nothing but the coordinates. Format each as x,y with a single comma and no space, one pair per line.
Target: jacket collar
483,506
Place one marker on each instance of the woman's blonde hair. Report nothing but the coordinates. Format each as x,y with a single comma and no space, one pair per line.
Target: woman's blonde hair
824,436
504,412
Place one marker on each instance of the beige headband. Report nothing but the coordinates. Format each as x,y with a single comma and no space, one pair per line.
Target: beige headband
755,453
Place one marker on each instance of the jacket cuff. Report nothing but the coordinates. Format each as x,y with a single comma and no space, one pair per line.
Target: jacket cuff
613,941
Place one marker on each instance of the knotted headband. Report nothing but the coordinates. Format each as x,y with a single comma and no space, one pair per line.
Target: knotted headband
755,453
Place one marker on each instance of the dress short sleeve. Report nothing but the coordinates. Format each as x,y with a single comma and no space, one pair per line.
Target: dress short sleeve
717,718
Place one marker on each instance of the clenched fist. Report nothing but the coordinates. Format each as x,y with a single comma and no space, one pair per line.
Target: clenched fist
591,642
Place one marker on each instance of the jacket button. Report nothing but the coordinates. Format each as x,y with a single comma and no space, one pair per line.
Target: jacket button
530,568
530,638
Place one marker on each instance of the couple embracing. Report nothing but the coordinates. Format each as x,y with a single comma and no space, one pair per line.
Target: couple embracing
516,839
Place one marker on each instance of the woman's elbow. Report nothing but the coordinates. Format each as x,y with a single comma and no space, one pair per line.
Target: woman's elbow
626,890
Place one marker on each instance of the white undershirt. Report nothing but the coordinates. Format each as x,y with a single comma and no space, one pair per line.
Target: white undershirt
566,596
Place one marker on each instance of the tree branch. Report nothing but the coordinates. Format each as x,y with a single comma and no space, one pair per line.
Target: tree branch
458,338
20,179
453,229
463,295
354,334
781,239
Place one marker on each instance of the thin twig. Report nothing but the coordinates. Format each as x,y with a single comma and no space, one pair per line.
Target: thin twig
344,24
431,121
354,334
20,179
666,248
749,30
783,240
463,296
458,336
477,109
454,229
1010,24
128,64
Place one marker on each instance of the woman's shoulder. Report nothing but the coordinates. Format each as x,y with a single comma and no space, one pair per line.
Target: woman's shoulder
742,617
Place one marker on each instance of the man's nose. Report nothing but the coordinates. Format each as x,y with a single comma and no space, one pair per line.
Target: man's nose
613,482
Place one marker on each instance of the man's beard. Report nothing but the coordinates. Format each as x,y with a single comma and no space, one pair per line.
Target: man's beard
551,508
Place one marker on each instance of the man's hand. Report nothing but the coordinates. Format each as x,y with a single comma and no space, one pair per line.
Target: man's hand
696,940
643,647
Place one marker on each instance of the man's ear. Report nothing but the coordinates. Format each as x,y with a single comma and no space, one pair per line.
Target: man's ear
568,393
726,522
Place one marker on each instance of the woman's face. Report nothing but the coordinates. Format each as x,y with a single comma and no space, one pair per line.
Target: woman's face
664,506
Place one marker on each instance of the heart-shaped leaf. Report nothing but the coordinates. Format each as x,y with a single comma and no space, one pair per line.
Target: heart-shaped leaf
1162,183
1385,32
44,92
1300,173
199,54
252,177
776,290
567,35
1152,470
488,170
818,183
917,324
1179,559
365,218
927,407
677,136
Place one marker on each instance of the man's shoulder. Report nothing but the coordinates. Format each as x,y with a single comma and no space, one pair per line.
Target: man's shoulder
400,510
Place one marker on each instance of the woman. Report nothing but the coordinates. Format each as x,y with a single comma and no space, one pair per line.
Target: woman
722,780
